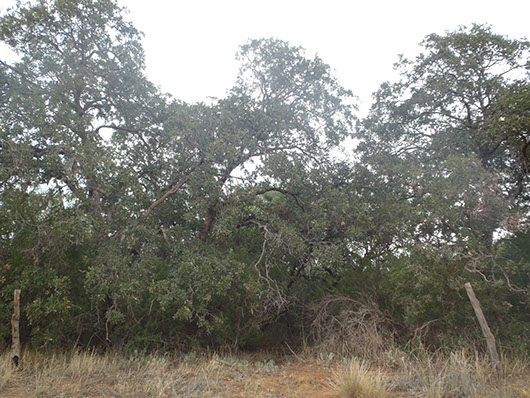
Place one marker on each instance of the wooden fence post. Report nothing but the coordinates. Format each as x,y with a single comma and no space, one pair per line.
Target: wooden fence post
490,340
15,329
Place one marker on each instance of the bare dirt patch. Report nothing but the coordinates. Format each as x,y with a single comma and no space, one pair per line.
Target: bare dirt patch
291,380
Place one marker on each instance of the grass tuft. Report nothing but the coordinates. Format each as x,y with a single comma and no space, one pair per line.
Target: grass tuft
361,382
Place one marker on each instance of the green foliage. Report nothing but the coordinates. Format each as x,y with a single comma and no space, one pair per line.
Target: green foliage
448,142
131,219
51,317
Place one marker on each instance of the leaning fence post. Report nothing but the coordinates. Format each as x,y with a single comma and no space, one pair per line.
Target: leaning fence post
15,329
490,340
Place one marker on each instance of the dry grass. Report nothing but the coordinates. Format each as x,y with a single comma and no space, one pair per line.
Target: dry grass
6,372
463,374
455,375
343,327
85,374
359,381
82,374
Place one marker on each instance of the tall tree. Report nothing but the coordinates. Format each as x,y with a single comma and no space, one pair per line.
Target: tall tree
449,104
447,145
284,103
77,80
145,178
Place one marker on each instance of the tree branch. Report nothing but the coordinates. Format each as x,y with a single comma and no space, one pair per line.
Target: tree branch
173,189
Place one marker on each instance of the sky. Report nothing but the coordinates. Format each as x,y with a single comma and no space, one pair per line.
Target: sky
190,45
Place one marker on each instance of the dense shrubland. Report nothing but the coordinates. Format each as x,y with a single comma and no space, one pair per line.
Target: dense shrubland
132,219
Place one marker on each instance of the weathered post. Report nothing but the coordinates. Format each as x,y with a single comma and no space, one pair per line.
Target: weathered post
15,329
490,340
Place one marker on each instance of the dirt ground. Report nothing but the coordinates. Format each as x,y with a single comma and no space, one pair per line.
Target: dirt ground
294,380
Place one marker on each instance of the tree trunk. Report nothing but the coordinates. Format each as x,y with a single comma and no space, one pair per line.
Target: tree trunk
211,214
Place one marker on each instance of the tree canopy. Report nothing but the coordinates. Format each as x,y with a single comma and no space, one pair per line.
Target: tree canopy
132,218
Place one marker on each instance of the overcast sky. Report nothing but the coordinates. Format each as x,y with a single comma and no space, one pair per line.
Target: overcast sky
190,45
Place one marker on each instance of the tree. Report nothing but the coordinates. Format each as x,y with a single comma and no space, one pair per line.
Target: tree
449,104
510,123
78,78
129,217
94,147
276,124
448,143
283,103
